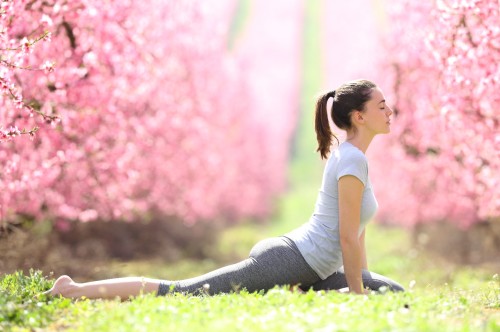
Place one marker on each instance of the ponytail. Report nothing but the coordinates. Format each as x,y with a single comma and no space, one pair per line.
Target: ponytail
324,134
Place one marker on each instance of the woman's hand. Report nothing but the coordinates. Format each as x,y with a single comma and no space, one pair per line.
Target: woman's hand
345,290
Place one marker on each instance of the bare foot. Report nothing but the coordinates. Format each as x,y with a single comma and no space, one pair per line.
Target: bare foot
64,286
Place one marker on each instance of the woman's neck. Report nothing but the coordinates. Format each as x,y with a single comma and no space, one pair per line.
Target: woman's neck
359,140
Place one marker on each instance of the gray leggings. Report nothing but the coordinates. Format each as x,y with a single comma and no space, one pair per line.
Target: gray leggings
272,262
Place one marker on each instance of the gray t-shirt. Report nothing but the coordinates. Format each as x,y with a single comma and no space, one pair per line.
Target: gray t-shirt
318,240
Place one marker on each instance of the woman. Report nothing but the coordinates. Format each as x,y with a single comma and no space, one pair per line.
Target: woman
327,252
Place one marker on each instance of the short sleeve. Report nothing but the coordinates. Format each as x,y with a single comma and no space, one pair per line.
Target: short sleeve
353,163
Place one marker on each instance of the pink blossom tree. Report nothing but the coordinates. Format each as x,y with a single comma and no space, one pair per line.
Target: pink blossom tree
17,42
443,59
153,115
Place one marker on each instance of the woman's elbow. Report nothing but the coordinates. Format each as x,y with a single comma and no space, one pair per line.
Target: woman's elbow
347,241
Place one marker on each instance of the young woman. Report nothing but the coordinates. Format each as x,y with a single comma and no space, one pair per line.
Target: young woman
327,252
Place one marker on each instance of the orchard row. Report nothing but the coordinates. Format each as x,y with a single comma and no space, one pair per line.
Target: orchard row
143,109
139,109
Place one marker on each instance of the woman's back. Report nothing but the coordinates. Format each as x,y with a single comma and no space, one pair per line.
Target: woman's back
318,240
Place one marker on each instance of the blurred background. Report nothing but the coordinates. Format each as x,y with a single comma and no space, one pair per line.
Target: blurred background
172,136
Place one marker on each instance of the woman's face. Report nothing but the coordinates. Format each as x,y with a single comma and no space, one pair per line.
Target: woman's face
377,113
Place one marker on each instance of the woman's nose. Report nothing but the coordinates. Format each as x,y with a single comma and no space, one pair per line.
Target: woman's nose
389,110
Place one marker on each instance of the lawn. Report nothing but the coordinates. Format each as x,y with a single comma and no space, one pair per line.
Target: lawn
440,296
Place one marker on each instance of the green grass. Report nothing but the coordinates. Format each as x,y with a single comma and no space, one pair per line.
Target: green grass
441,296
427,308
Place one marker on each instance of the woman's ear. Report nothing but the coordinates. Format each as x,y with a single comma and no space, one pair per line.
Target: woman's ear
357,116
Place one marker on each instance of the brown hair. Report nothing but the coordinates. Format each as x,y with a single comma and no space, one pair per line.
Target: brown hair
348,97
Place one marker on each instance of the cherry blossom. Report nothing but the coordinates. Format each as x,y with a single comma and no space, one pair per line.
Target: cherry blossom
141,111
444,82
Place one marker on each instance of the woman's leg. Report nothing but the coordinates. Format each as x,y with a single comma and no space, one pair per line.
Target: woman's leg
272,262
371,280
122,288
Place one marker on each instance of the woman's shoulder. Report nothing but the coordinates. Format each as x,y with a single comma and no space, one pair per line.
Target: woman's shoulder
349,153
351,161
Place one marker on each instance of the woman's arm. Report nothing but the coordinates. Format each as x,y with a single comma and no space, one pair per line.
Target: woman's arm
364,260
350,190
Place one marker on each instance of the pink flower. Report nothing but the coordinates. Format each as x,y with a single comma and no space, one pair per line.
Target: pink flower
4,86
13,131
25,45
88,215
18,102
48,66
3,135
46,20
30,110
